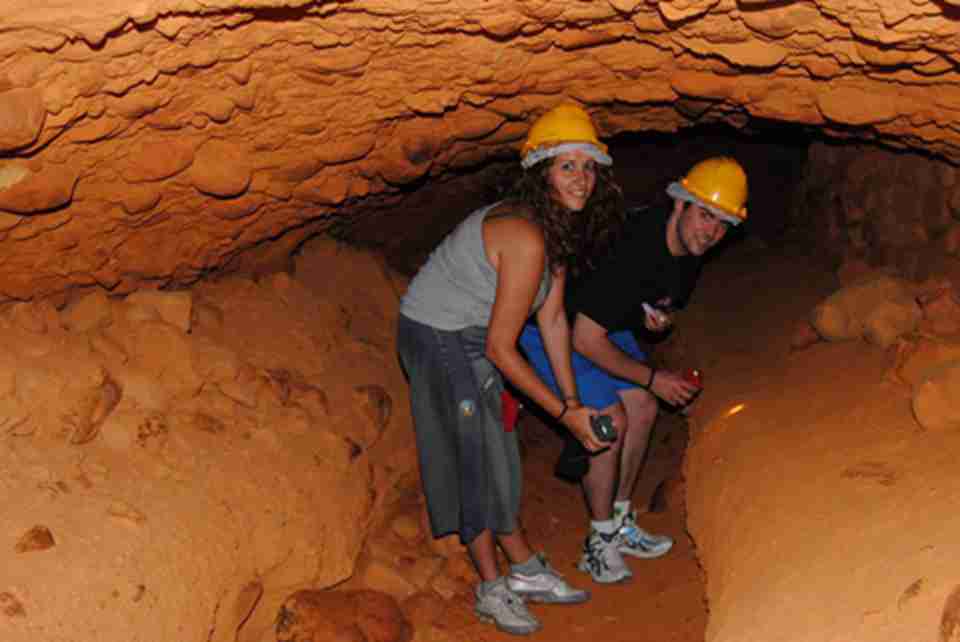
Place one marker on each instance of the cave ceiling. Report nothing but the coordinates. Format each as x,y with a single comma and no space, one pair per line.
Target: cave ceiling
150,143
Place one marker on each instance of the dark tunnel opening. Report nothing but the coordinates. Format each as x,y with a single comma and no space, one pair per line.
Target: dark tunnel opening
773,155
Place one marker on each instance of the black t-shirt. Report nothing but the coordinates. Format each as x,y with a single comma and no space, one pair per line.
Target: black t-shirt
639,270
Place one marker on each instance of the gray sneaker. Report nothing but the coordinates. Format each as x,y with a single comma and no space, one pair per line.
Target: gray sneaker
546,586
504,608
602,559
637,542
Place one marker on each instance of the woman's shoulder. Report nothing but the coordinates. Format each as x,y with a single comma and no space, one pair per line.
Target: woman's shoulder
509,225
511,209
516,218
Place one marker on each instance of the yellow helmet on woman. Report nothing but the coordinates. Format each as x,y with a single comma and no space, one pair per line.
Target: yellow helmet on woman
718,184
565,128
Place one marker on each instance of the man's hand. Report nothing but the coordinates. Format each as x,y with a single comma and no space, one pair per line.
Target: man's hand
673,388
656,319
577,421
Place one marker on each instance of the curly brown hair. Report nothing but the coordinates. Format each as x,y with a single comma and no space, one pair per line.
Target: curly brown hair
573,240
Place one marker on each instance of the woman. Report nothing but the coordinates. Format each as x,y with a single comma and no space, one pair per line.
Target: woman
457,335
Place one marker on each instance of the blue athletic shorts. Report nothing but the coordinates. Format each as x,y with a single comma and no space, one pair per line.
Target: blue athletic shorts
597,388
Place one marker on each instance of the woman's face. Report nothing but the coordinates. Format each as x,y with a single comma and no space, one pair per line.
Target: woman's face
572,177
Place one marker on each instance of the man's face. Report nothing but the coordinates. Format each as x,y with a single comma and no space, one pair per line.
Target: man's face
699,229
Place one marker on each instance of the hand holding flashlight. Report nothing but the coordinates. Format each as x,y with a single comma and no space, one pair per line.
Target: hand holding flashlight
656,319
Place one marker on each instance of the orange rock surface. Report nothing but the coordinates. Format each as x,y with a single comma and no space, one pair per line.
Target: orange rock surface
155,142
164,454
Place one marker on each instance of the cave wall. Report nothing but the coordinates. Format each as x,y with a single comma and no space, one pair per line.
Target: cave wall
151,144
174,465
864,206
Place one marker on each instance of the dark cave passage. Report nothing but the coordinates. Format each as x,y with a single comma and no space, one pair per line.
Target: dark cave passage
644,163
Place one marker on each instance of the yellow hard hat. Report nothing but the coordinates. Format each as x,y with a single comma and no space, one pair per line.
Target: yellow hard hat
566,127
719,184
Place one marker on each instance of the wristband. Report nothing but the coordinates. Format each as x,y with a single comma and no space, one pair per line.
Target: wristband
653,373
564,411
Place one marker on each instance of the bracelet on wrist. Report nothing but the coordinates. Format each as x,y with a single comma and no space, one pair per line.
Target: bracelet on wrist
564,411
653,373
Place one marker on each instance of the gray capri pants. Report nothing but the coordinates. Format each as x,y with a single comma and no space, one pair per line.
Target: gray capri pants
469,466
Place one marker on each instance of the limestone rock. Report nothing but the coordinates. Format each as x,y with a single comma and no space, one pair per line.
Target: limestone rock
941,312
380,575
406,526
234,132
936,399
221,169
91,312
36,317
877,310
804,335
38,538
122,429
22,115
156,160
342,616
175,308
92,409
10,606
423,609
29,190
164,350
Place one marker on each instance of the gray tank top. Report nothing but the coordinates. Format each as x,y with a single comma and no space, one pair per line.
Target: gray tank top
456,287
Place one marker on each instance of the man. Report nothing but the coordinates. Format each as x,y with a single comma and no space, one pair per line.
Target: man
651,273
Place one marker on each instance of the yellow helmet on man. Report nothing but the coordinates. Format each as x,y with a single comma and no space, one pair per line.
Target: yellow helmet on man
719,185
567,127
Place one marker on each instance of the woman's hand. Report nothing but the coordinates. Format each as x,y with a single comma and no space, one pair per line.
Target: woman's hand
577,421
673,388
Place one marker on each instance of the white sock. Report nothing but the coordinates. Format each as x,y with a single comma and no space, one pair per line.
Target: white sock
606,527
621,508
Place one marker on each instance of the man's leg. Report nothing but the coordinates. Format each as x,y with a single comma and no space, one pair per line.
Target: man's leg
601,556
601,553
641,410
641,413
602,480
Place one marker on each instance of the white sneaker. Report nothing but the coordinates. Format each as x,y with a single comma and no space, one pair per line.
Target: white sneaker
504,608
633,540
602,559
546,586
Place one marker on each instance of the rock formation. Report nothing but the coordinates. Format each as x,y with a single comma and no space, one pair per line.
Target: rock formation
175,464
150,144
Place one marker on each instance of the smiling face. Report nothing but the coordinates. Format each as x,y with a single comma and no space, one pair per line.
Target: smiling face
572,177
698,230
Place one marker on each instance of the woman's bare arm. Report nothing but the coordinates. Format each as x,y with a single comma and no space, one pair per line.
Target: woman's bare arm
516,249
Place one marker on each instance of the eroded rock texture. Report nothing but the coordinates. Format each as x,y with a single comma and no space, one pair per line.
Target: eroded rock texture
156,141
173,465
865,206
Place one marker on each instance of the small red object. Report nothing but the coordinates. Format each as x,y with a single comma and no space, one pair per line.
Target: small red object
510,409
694,376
